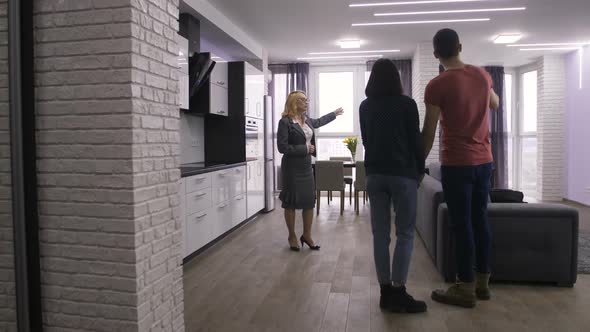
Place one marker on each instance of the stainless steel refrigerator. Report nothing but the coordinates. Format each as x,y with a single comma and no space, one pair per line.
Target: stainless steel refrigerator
269,150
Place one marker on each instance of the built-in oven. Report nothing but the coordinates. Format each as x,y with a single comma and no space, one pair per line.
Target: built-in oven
254,148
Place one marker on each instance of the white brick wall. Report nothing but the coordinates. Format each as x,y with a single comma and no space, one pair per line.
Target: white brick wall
550,127
7,289
156,142
424,69
108,165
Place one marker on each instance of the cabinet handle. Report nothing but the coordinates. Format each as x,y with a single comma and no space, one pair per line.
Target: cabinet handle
222,174
197,180
220,83
200,195
240,198
223,206
201,216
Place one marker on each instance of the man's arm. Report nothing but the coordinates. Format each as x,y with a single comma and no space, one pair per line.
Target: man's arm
494,100
429,130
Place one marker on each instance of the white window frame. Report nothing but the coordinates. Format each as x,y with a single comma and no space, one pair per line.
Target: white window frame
518,122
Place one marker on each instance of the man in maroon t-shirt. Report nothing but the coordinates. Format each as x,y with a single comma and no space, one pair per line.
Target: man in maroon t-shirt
461,97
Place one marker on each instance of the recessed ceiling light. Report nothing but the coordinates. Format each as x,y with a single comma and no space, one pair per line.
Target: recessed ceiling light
342,57
421,22
550,44
550,49
398,3
353,43
354,52
507,38
458,11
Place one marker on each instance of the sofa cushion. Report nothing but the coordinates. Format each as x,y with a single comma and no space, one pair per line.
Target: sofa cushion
434,171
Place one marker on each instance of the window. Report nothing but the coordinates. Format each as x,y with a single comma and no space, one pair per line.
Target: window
331,147
529,116
529,166
527,135
508,86
336,89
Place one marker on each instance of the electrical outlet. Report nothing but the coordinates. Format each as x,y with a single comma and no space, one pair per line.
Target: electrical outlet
195,143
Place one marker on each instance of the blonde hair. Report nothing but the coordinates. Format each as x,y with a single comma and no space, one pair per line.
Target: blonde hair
291,104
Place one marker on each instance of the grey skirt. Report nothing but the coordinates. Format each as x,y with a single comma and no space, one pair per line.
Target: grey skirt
298,183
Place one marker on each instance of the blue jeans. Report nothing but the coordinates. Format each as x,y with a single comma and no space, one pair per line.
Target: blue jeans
467,189
384,190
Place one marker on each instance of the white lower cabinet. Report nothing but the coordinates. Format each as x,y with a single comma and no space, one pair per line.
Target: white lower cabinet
224,218
199,227
239,210
182,212
255,187
211,204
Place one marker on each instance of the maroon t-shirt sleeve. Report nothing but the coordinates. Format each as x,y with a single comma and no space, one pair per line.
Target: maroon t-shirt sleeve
432,94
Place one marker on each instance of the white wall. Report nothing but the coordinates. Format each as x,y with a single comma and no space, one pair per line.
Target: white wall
577,119
192,138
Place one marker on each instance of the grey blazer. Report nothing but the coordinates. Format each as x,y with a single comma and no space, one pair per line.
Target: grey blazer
291,138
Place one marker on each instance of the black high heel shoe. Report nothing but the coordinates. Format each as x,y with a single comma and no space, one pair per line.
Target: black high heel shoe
303,240
293,248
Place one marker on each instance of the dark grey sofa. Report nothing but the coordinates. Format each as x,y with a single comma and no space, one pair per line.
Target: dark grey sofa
531,242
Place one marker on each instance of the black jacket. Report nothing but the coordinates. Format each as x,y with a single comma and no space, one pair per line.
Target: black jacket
291,138
391,136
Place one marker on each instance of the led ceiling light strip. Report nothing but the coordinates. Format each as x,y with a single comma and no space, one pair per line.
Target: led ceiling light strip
458,11
399,3
353,52
421,22
342,57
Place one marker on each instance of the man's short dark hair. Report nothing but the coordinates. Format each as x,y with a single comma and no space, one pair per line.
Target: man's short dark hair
446,43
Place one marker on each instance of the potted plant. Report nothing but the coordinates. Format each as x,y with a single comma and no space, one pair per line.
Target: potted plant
351,143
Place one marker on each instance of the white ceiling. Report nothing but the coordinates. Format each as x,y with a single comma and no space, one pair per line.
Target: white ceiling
289,29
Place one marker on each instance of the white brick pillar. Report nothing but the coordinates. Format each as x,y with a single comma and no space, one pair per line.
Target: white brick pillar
424,68
108,146
7,285
550,127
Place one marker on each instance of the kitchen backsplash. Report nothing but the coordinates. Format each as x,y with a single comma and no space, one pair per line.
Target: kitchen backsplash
192,142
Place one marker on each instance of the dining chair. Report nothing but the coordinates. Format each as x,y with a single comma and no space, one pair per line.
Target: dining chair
348,179
328,177
360,185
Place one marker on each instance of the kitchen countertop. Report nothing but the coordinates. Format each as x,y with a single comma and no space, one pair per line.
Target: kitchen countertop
200,168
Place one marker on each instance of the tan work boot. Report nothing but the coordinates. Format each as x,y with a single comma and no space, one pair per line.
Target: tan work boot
461,294
482,286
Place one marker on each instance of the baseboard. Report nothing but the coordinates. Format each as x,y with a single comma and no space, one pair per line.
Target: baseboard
575,202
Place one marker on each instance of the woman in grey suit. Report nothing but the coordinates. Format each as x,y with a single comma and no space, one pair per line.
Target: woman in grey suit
296,141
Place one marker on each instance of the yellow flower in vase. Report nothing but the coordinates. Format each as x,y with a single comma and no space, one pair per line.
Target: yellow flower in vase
351,143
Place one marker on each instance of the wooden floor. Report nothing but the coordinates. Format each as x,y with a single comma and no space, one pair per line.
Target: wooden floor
250,281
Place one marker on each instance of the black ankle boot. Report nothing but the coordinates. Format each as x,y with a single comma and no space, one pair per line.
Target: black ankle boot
385,299
396,299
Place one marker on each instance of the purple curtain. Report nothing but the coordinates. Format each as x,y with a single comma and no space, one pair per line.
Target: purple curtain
297,76
498,131
405,68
